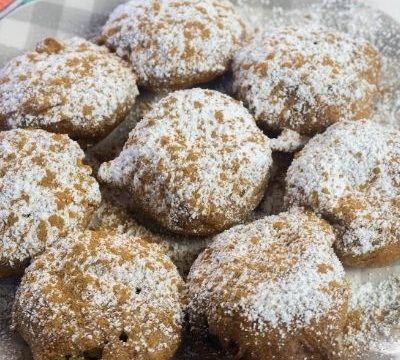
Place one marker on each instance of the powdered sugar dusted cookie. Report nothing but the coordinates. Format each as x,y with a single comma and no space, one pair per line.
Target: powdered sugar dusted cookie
196,164
100,295
174,43
351,176
46,193
73,87
271,289
306,78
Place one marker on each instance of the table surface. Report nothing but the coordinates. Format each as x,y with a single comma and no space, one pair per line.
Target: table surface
391,7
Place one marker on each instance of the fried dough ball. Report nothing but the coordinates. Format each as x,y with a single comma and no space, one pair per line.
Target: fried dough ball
100,295
174,43
73,87
46,194
351,176
196,164
271,289
307,78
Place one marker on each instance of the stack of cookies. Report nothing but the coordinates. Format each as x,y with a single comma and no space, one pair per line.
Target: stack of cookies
199,227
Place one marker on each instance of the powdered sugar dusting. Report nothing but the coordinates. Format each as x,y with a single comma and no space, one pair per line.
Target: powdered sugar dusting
351,175
100,293
279,274
196,163
306,78
268,308
289,141
46,193
182,250
360,21
73,87
373,325
173,43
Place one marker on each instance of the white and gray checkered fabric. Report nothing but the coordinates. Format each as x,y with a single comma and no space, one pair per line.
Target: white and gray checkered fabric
27,25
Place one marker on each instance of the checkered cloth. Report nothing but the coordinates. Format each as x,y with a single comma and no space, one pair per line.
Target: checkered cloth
24,27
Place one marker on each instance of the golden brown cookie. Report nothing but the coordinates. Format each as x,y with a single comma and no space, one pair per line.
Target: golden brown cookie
351,176
174,43
46,194
73,87
307,78
271,289
100,295
182,250
196,164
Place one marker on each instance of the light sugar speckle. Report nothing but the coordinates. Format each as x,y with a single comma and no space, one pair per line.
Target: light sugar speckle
100,290
73,87
278,273
196,163
351,175
46,192
173,43
306,78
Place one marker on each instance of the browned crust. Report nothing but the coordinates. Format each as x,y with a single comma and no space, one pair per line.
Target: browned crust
377,258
